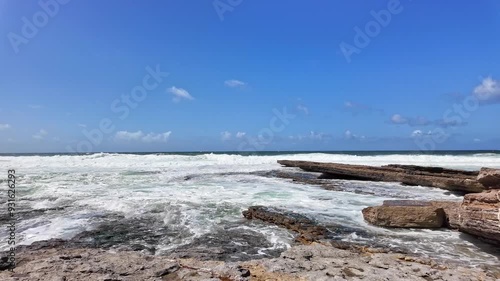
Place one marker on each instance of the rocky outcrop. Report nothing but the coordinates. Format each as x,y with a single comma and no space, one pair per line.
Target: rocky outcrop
300,263
414,216
308,229
452,212
480,215
490,178
453,180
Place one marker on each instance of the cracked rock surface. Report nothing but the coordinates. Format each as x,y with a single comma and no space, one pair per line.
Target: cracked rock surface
305,262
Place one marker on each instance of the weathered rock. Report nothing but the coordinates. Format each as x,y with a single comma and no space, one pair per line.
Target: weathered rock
453,180
490,178
400,216
451,209
480,215
313,262
308,229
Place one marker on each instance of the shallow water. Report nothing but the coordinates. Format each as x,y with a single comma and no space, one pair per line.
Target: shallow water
173,200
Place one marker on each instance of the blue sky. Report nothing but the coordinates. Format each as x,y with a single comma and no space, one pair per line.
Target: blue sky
248,75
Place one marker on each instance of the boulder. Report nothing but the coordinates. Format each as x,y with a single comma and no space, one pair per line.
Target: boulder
452,212
450,208
413,216
490,178
480,215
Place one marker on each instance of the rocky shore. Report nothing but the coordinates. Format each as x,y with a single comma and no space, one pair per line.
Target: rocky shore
313,262
317,253
453,180
315,257
478,214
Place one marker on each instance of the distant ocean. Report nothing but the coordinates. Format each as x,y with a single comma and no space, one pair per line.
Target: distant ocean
271,153
164,201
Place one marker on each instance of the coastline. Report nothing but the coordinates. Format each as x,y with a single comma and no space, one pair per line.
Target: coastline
316,261
113,236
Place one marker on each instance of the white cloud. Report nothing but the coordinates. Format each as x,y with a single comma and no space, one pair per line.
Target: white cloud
35,106
226,135
311,136
417,134
477,140
398,119
140,136
240,134
413,121
128,136
40,135
234,83
4,127
316,136
179,94
349,135
303,109
488,91
82,125
149,138
437,134
57,139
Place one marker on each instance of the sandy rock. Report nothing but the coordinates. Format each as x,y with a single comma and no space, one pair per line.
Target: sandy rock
480,215
452,212
490,178
451,209
405,216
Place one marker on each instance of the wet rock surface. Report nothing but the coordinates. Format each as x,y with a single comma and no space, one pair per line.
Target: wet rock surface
228,245
453,180
308,229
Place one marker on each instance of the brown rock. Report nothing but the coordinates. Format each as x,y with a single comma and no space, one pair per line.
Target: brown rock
454,180
451,209
452,212
490,178
405,216
308,229
480,215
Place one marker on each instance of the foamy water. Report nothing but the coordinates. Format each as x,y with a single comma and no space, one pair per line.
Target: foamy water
220,186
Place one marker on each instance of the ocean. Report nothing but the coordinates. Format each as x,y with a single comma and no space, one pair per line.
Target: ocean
164,202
